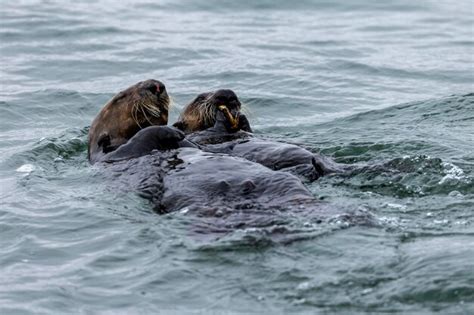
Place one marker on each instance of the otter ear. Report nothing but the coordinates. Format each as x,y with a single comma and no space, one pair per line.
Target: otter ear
181,125
117,97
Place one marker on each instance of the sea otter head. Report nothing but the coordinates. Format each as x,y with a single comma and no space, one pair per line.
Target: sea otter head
141,105
207,108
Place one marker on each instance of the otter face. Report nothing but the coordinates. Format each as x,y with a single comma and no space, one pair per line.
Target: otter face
204,110
141,105
228,103
147,103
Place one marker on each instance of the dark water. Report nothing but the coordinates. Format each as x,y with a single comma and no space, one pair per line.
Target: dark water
366,82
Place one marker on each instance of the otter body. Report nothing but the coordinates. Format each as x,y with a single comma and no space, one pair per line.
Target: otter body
274,155
210,184
175,175
211,181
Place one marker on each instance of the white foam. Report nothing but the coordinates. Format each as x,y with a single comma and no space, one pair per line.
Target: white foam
441,222
26,168
303,286
452,173
395,206
367,291
392,221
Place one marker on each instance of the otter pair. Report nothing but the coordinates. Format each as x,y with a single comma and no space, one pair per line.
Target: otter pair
146,104
131,125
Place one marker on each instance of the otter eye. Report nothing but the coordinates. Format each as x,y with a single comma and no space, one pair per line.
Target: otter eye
161,87
234,102
200,98
152,88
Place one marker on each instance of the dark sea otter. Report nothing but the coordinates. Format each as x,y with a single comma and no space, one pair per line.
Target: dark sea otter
225,192
214,122
201,113
176,175
139,106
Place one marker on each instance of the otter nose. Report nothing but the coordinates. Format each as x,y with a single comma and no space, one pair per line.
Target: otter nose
160,87
155,87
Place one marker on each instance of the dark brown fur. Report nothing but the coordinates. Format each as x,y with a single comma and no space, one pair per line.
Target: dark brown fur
192,118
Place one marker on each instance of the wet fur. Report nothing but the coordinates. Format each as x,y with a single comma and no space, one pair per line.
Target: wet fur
200,113
124,115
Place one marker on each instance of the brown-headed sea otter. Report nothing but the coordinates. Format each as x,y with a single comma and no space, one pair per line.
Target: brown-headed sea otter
203,112
177,175
139,106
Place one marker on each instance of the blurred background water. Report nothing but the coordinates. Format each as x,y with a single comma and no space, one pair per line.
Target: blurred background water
362,81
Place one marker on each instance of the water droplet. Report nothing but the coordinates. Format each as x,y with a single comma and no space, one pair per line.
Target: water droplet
303,286
184,210
367,291
455,193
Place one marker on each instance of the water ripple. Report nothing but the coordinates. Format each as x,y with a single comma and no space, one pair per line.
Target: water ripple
325,74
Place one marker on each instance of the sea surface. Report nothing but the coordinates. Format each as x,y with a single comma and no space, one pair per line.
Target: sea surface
371,83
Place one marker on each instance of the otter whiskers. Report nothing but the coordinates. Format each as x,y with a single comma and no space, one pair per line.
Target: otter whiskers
206,112
147,110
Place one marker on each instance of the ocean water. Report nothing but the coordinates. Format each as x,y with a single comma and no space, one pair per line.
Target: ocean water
371,83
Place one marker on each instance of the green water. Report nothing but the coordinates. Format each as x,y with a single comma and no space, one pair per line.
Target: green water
385,86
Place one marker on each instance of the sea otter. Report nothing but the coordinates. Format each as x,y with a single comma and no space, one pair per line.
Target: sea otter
202,112
176,175
139,106
220,192
213,122
223,192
